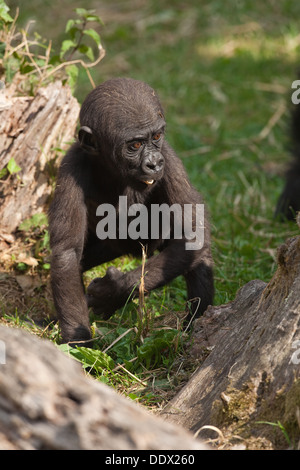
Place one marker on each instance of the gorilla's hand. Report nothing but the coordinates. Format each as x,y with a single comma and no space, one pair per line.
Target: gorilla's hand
106,294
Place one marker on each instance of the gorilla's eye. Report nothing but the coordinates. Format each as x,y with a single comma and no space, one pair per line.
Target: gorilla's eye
157,136
136,145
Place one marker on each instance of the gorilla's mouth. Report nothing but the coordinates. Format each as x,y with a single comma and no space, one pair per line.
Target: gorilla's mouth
149,182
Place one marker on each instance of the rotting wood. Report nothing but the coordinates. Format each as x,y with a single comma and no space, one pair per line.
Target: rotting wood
47,403
30,129
252,373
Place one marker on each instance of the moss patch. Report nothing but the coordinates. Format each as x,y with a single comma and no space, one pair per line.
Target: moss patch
260,424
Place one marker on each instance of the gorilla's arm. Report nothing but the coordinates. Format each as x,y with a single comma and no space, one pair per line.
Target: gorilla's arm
106,295
68,222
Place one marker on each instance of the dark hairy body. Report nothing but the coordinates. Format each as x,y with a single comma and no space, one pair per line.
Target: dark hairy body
289,201
121,151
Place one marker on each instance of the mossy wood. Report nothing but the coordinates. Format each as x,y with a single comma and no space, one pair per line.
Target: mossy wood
252,373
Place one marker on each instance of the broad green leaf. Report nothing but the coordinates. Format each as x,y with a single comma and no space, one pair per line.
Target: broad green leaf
89,357
94,18
93,34
72,33
69,25
55,59
66,46
12,166
88,51
4,9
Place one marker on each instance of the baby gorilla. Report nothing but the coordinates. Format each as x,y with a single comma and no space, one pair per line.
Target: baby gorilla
122,162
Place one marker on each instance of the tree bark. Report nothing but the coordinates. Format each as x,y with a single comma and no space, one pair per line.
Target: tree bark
47,403
253,370
30,128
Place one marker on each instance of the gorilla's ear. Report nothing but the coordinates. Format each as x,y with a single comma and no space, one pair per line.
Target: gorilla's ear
87,140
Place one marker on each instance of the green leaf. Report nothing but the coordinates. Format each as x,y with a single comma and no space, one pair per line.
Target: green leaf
72,33
12,166
88,51
72,72
88,15
55,59
72,29
4,9
3,172
153,347
25,68
66,46
45,241
95,18
69,25
89,357
133,396
93,34
37,220
21,267
82,12
40,62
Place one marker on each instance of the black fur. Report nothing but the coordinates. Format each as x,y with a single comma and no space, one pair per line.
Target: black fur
100,167
289,202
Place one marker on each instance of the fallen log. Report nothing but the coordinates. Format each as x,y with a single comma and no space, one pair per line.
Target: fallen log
252,373
47,403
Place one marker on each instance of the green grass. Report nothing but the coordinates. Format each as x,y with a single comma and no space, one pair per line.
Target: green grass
222,70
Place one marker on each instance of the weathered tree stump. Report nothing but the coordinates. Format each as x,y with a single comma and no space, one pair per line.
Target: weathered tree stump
253,370
47,403
30,128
